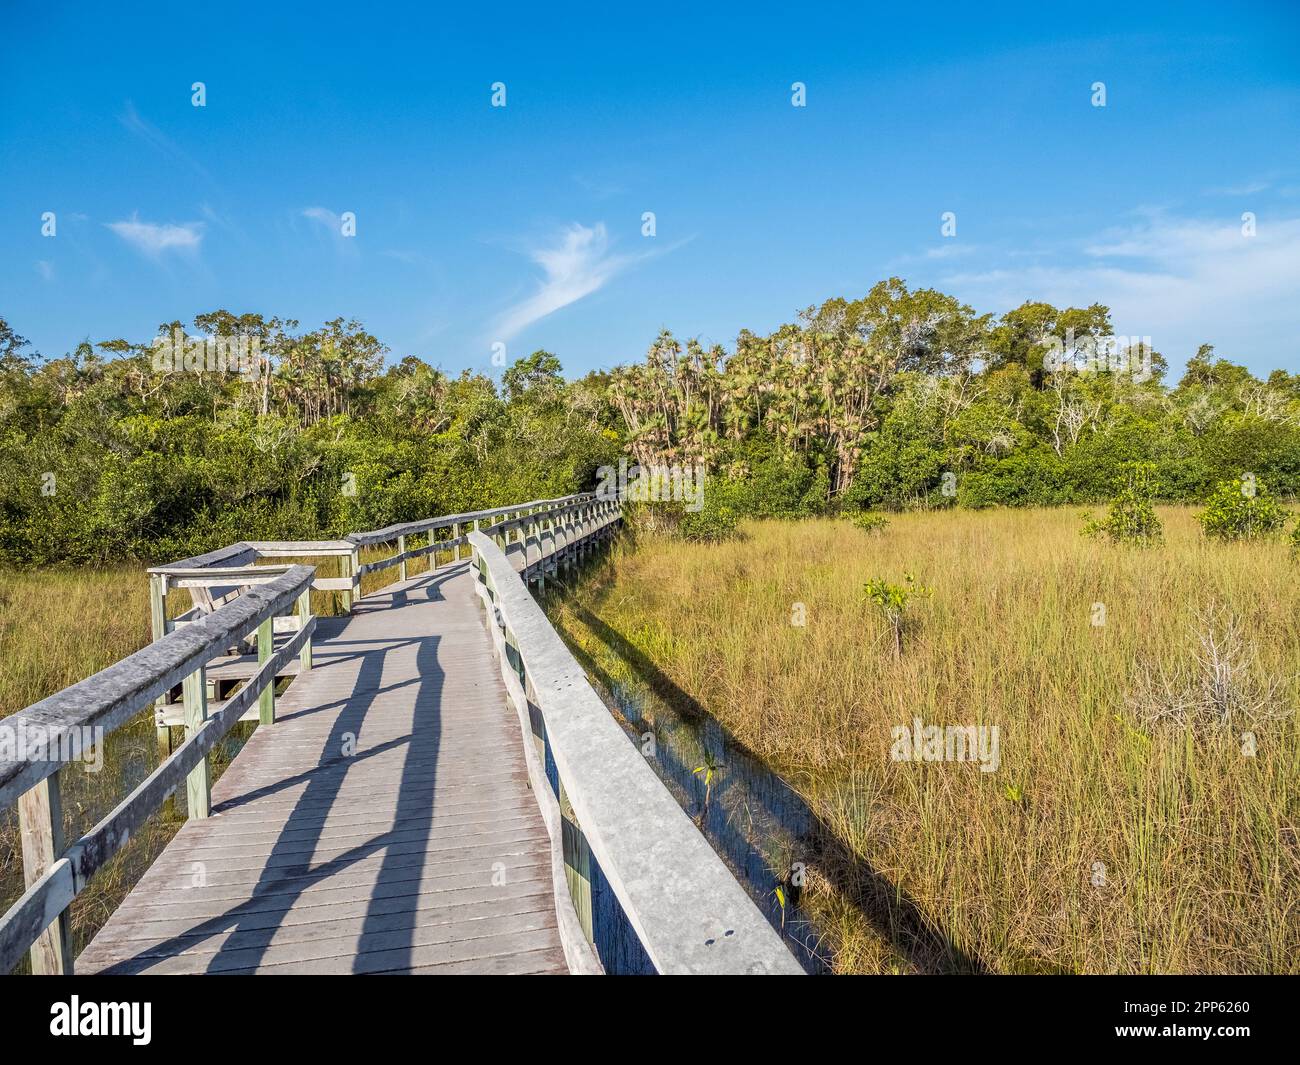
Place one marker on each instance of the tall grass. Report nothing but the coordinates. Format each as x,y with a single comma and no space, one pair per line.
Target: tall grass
1116,836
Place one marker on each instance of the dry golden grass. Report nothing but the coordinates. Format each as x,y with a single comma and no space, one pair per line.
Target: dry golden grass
1198,842
59,627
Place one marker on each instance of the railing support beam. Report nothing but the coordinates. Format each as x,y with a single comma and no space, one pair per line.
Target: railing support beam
304,615
40,821
198,784
265,648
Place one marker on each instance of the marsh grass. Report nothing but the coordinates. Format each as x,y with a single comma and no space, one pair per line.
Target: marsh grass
1112,838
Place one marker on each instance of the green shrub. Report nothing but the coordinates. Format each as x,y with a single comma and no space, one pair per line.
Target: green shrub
869,521
1243,510
893,600
1131,518
713,523
1294,540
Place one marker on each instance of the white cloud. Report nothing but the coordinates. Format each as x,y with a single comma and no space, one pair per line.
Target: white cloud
324,216
1181,281
159,141
153,240
45,268
575,265
950,251
1247,188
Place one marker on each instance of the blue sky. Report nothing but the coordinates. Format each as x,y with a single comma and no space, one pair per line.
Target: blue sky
523,224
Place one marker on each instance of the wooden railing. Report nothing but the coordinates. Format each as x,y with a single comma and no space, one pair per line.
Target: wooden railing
644,886
58,729
203,574
236,604
617,835
219,576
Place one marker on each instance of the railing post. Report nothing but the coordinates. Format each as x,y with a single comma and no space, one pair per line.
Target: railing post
345,570
158,626
541,557
198,785
401,548
265,648
40,821
304,616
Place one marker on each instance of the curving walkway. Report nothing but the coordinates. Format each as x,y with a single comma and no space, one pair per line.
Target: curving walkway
383,824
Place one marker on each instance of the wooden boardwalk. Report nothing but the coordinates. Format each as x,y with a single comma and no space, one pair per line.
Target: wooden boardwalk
384,823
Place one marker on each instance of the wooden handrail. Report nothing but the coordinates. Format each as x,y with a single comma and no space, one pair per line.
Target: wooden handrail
240,557
234,598
622,815
56,730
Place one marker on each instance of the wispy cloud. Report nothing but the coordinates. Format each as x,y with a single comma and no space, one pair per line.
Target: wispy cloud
155,240
1246,188
950,251
331,221
1181,281
576,263
334,228
46,269
159,141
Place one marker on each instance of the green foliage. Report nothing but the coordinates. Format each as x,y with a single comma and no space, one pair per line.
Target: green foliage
1131,518
893,600
712,523
1243,510
869,521
1294,540
104,458
900,399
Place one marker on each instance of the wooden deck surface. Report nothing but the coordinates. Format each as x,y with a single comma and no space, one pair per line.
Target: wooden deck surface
384,824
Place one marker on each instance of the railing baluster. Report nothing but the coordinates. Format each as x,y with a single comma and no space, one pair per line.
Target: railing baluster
265,648
198,784
401,550
40,821
158,627
304,616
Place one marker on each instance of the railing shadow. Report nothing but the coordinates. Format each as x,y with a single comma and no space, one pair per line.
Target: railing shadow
250,927
895,915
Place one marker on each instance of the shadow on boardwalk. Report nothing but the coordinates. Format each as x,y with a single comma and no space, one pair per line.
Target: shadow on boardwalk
250,927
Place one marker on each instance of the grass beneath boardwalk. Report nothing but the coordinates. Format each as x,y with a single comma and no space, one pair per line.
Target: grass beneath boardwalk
1127,828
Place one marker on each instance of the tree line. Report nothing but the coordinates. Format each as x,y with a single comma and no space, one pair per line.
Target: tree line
902,398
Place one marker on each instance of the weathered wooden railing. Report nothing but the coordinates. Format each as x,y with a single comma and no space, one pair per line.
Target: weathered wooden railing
646,888
219,576
235,603
56,730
